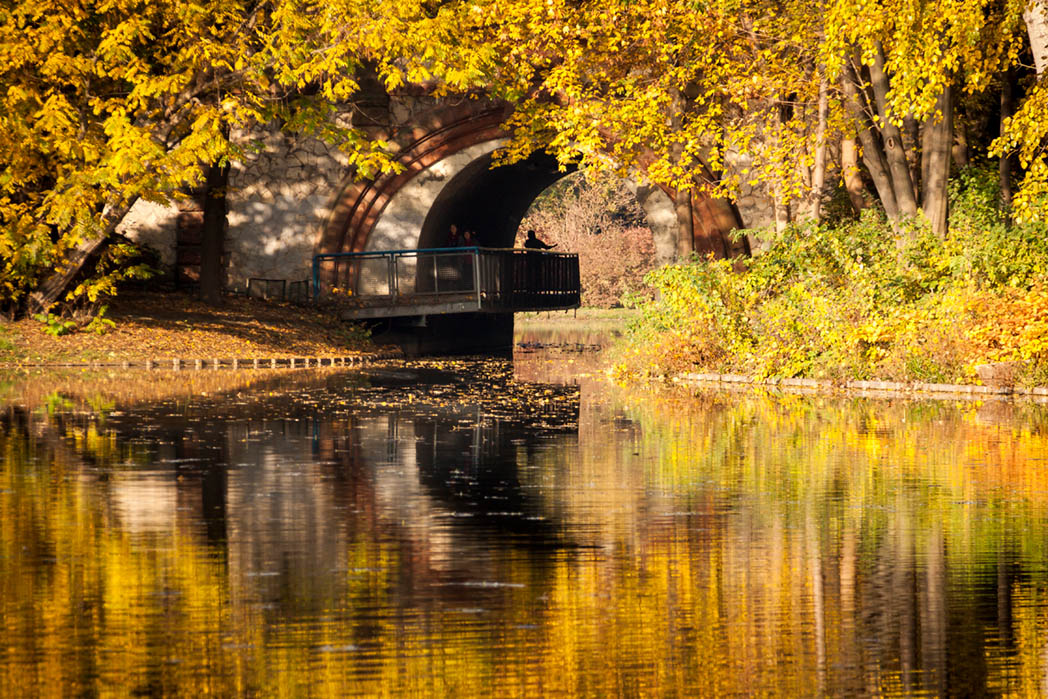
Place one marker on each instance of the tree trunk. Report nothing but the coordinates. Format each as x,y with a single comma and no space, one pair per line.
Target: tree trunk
850,171
894,150
961,156
872,153
52,288
685,224
937,146
682,197
911,132
1004,165
818,171
1036,18
213,234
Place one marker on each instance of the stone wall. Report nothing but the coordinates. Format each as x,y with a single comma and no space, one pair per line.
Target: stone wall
279,199
755,203
756,206
153,225
280,196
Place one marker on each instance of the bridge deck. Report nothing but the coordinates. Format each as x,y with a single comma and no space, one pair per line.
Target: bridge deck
436,281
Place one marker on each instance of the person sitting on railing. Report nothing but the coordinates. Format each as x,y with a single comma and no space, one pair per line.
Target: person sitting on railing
533,243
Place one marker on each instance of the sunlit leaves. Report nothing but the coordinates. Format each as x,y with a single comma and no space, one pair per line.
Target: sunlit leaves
667,88
927,45
846,303
107,102
1026,134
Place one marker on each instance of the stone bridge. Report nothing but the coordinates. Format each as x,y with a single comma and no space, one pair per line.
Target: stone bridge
294,198
297,197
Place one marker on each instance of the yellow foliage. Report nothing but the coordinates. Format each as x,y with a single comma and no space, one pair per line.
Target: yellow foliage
846,303
1011,325
106,102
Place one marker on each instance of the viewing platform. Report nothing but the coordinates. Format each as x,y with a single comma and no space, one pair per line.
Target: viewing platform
439,281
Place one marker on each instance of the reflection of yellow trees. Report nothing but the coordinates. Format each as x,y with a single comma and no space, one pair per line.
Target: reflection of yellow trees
99,388
710,546
872,516
86,608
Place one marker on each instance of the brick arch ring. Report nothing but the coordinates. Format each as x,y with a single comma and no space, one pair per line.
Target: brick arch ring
359,205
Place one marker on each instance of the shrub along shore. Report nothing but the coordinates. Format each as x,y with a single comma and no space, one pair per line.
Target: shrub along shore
860,300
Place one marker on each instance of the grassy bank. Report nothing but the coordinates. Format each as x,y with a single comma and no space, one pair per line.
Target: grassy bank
859,300
579,320
154,325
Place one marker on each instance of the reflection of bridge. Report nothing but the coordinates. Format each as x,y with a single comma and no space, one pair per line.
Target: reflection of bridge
439,281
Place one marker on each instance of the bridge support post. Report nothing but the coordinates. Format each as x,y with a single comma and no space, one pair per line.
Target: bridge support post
456,333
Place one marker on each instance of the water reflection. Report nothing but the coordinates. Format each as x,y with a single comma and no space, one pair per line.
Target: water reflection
449,528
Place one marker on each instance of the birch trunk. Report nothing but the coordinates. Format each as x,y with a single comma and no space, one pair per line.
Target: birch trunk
818,171
1036,18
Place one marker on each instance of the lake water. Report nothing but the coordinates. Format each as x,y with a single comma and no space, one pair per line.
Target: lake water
484,527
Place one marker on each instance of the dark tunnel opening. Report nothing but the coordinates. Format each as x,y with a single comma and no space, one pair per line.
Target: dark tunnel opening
491,202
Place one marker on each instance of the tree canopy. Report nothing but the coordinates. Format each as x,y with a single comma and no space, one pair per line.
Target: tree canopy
103,102
681,87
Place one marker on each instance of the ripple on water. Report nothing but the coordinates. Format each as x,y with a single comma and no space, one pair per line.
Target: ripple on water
449,527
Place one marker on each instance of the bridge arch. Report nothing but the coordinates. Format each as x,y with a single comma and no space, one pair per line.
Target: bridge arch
447,178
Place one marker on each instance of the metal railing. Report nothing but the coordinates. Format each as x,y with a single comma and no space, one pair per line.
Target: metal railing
473,278
524,280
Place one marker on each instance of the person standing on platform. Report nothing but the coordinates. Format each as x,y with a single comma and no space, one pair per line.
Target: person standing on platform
536,275
533,243
468,240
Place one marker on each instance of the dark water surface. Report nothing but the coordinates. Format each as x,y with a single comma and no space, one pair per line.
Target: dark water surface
478,528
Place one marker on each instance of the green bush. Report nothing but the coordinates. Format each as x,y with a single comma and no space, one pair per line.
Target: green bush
857,299
56,325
